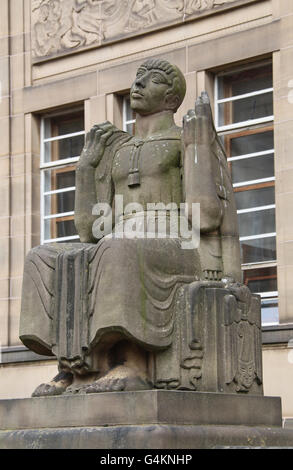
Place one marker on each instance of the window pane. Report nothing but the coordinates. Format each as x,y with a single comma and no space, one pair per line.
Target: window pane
261,279
255,107
256,223
258,251
64,124
251,143
59,227
65,228
245,81
60,178
130,128
129,112
59,203
255,198
65,201
129,115
269,311
253,168
64,148
65,178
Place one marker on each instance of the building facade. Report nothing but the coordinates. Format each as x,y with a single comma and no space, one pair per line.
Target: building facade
68,64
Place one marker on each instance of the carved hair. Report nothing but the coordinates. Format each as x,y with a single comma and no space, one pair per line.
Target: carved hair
174,74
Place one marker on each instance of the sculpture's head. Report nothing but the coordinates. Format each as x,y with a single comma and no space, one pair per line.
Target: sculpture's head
158,86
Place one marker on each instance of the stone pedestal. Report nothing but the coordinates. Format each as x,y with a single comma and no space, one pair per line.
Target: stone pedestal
154,419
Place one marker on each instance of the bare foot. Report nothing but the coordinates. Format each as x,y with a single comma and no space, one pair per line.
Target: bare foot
121,378
56,387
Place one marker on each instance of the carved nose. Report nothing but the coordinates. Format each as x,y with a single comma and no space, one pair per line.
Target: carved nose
140,82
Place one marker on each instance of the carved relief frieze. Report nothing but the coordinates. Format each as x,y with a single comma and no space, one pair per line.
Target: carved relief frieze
62,26
242,339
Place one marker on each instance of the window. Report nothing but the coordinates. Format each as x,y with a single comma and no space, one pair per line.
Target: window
244,120
128,116
62,139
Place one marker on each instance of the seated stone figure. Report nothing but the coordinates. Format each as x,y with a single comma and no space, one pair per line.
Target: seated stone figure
128,307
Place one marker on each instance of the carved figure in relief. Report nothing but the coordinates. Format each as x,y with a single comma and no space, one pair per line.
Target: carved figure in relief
88,20
47,28
60,25
142,14
242,336
188,7
67,24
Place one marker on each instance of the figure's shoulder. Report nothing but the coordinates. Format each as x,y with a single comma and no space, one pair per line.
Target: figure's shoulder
173,133
176,132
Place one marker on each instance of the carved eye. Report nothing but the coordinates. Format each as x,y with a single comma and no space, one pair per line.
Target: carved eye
140,73
158,78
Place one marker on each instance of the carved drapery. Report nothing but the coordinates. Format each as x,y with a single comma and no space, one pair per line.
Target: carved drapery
62,26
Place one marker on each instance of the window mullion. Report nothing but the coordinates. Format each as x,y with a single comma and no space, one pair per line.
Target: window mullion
62,137
251,155
245,95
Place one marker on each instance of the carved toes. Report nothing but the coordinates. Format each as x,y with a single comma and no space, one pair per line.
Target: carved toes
110,385
46,390
56,387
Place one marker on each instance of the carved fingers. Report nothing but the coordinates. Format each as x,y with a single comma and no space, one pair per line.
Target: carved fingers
203,106
211,275
198,127
204,119
189,125
97,139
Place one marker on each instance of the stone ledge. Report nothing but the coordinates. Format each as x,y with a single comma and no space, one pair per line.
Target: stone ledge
288,423
277,334
15,354
149,407
149,437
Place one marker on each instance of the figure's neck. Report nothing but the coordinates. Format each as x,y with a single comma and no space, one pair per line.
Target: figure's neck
146,126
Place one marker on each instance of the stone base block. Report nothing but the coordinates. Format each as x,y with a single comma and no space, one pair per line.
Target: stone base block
155,419
148,437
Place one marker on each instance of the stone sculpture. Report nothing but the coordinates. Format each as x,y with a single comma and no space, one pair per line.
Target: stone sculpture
137,304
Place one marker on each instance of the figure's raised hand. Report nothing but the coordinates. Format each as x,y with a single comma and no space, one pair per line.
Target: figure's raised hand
198,127
204,119
97,139
189,125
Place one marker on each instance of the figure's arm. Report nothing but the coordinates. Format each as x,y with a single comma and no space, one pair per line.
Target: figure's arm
85,196
199,184
101,143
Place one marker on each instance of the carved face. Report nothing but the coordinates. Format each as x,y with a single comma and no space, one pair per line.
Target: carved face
149,92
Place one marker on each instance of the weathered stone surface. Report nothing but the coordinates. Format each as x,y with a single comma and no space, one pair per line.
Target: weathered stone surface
142,407
143,420
149,437
152,296
68,25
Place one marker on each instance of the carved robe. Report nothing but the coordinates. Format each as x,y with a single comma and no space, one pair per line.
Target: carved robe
78,295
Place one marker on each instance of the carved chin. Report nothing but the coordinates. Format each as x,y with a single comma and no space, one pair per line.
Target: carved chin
137,103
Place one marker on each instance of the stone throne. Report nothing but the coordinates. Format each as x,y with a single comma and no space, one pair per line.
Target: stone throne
139,308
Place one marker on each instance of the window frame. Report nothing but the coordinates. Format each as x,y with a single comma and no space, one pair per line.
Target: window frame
55,165
251,126
126,122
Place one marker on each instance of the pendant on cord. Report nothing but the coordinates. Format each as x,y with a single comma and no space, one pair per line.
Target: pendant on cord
133,175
